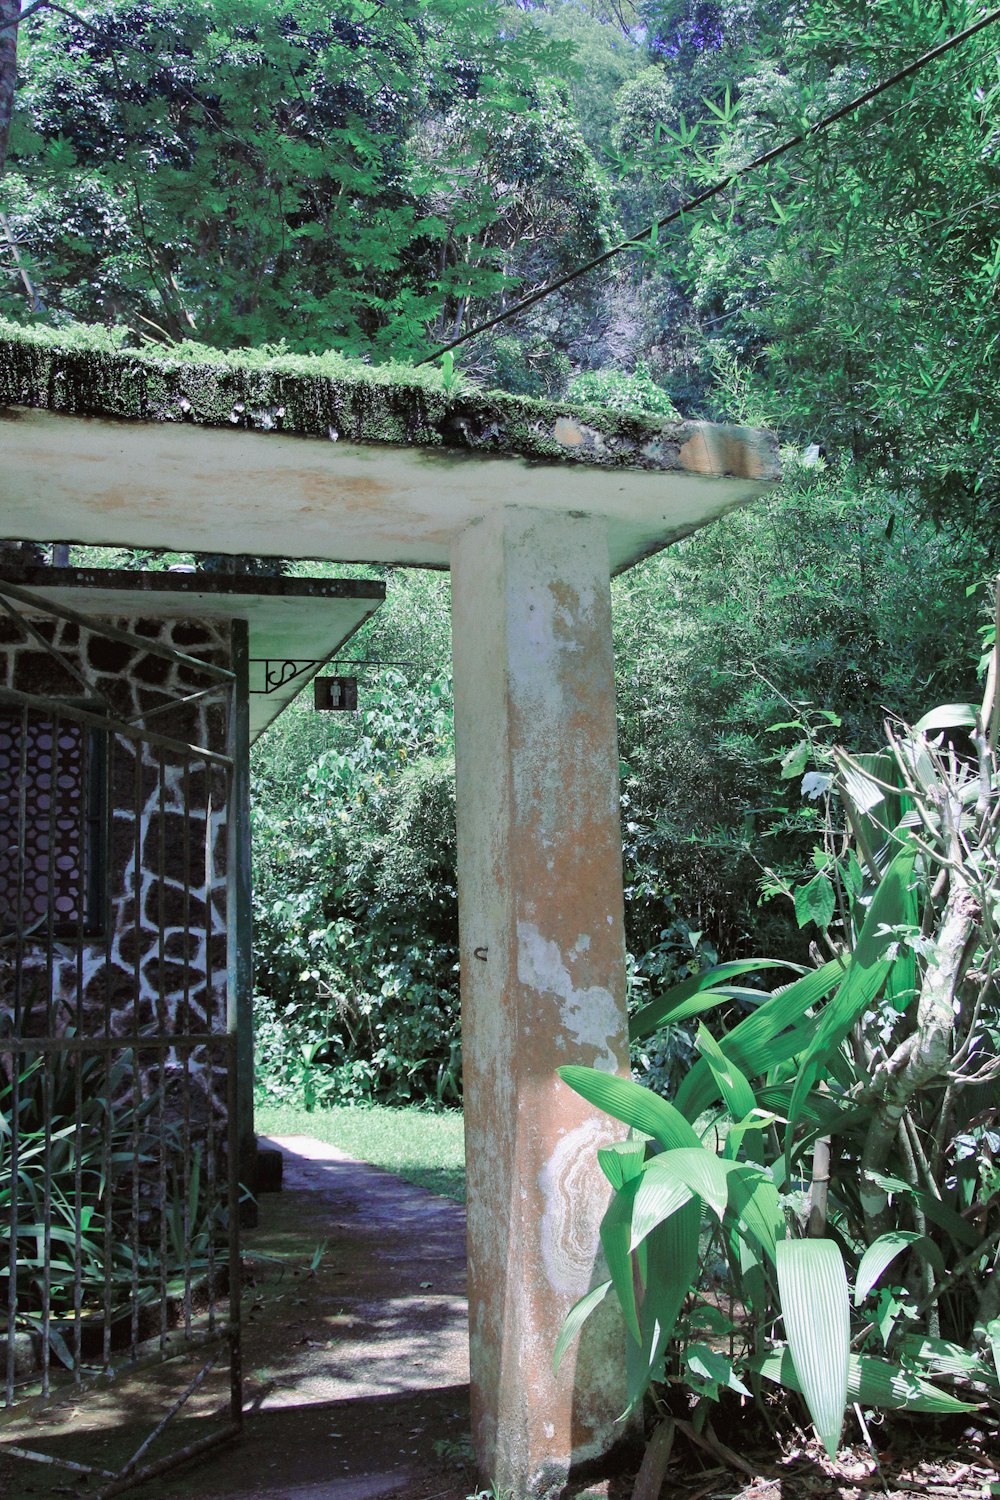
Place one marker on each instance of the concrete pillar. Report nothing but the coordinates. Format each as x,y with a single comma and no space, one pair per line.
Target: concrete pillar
543,979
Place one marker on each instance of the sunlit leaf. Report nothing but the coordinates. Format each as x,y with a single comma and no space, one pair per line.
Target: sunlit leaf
632,1104
575,1319
871,1382
883,1251
688,998
812,1285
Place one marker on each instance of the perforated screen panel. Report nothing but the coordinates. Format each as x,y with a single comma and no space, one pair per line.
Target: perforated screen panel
47,848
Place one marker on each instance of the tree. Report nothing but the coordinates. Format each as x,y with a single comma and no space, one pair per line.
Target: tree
851,286
244,173
10,11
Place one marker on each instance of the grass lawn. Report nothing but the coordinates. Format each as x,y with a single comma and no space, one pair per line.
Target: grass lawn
416,1144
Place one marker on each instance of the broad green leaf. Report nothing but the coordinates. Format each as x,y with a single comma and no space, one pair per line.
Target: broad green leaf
863,790
756,1205
939,1213
777,1030
575,1319
725,1186
647,1021
700,1170
712,1369
812,1286
688,999
883,1251
947,716
874,813
871,1382
853,874
751,1125
942,1357
816,902
661,1193
632,1104
672,1268
890,906
795,760
60,1348
993,1335
824,1113
622,1160
747,996
616,1235
901,981
733,1086
753,1283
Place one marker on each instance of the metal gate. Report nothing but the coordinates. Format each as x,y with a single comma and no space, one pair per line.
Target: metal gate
119,1175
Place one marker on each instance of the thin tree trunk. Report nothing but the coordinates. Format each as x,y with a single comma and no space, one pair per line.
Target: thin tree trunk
819,1197
925,1055
10,12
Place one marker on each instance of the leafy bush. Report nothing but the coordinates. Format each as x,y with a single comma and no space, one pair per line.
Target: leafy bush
846,1121
356,914
622,392
73,1184
728,641
527,366
79,1155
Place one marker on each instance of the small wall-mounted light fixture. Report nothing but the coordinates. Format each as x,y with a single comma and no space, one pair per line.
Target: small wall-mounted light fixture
335,694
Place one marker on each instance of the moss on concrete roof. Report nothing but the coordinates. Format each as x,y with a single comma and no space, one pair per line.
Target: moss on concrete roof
90,371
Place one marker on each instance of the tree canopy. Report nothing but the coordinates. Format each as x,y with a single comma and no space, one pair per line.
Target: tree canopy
376,180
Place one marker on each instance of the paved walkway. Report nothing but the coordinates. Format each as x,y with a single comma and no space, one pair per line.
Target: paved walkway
356,1372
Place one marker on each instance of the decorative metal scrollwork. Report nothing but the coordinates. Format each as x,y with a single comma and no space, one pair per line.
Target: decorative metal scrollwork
279,672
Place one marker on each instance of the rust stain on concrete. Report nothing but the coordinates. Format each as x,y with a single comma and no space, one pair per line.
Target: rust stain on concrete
569,433
727,451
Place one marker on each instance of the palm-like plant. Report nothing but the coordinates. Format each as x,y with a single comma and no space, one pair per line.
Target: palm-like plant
857,1107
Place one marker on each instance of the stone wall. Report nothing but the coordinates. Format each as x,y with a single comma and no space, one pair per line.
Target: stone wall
136,942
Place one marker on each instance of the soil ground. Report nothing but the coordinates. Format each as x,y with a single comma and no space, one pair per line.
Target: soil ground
356,1381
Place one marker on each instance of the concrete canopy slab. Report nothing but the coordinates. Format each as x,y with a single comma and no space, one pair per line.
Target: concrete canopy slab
323,457
302,621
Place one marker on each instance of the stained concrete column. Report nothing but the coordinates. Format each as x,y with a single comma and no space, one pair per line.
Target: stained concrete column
543,978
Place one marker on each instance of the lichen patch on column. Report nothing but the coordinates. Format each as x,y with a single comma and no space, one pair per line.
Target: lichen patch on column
570,1236
591,1015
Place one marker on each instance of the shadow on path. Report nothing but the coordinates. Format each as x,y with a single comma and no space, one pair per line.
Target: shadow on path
355,1355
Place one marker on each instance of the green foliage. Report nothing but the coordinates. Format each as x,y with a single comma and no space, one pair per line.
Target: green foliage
247,173
356,910
850,285
46,1110
77,1153
726,643
621,392
601,61
528,366
841,1101
643,106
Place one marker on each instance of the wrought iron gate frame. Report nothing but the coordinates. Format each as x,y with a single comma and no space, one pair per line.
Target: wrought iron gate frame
223,1330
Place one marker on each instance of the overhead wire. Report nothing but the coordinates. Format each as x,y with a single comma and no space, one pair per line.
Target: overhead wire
765,158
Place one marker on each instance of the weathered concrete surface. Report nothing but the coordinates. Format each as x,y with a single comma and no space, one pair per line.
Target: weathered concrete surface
543,978
272,494
321,456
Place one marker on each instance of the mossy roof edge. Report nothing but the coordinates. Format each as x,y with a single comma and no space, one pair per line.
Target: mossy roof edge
86,370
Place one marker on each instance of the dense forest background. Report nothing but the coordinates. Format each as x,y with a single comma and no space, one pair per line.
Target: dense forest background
380,178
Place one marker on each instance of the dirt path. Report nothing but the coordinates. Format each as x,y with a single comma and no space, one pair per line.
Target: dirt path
356,1369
